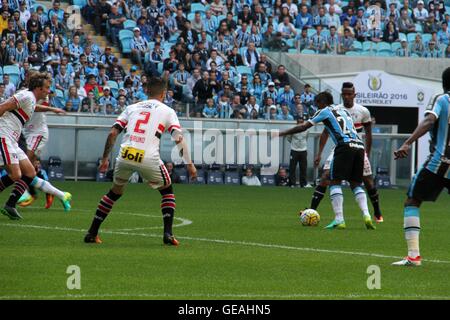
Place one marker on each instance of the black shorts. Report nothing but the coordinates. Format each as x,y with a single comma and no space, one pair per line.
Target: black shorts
426,185
347,164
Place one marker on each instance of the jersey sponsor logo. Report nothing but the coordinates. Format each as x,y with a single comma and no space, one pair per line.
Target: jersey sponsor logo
133,154
355,145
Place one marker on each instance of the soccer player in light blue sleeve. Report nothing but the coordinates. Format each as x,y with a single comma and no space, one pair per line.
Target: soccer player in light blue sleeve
434,175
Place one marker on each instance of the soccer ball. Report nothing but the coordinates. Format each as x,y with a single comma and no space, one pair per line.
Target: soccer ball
309,217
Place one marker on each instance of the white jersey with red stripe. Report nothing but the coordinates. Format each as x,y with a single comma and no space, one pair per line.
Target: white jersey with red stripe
12,122
360,115
145,122
38,122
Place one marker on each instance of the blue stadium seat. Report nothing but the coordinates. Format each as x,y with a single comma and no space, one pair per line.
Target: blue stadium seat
197,7
80,3
114,87
426,37
308,51
60,99
368,46
244,70
221,17
129,24
367,53
325,33
290,43
125,34
14,73
411,36
352,53
395,46
311,32
126,45
357,46
402,36
384,47
384,54
292,51
191,16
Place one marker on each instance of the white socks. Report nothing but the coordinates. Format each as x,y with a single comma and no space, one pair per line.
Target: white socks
412,230
46,187
361,199
337,202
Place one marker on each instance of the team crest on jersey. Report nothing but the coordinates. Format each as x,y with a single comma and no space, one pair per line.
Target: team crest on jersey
132,154
374,82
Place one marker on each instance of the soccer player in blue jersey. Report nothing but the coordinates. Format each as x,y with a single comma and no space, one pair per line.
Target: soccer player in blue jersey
434,175
348,159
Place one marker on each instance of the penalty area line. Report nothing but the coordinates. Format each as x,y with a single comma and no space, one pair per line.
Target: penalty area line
230,242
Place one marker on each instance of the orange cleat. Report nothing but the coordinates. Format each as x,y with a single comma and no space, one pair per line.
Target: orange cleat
49,200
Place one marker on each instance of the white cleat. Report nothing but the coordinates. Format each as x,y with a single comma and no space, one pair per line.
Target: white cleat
409,262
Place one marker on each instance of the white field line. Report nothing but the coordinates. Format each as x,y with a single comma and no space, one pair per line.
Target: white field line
230,242
184,222
227,296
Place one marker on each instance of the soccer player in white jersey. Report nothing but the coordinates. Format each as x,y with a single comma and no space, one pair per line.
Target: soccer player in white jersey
144,123
361,117
36,134
14,113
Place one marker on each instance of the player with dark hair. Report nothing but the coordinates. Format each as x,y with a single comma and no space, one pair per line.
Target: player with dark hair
143,124
434,175
362,120
14,113
348,156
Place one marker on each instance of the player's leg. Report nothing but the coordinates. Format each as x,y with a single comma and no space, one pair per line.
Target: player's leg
20,186
14,174
372,190
303,157
425,186
320,190
8,160
121,175
356,180
48,188
339,170
26,144
293,161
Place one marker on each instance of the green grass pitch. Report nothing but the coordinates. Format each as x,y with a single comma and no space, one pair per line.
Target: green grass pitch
236,243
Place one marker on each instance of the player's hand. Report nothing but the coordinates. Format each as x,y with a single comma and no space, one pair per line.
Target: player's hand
274,134
317,160
192,171
402,152
104,165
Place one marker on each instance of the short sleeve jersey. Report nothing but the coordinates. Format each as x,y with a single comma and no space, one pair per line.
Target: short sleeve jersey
144,123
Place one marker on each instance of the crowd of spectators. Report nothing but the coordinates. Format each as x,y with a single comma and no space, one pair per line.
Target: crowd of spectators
213,52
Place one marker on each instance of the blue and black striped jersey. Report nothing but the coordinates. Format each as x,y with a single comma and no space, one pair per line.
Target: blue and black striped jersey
339,125
439,158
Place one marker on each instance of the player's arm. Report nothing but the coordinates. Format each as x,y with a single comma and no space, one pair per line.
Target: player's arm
8,105
110,141
42,108
421,129
184,153
300,128
368,137
322,142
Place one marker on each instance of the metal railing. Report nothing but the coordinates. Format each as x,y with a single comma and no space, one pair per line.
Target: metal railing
80,145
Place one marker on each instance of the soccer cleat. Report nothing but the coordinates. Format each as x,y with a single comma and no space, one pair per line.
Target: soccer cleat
11,213
90,238
49,200
26,199
369,223
170,240
379,218
66,201
409,262
336,225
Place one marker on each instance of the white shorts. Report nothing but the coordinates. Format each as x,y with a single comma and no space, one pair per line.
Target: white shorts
367,168
10,153
153,172
36,142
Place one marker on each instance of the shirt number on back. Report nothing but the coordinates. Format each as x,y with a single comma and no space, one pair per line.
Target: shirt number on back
142,121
